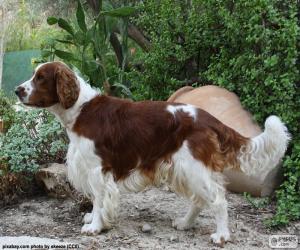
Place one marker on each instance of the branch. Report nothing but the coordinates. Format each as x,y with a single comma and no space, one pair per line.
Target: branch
136,35
133,32
115,43
94,5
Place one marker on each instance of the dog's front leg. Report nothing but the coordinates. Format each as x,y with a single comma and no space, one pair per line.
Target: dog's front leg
105,202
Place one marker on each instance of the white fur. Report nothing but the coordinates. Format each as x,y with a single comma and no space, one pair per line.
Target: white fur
85,173
135,182
265,151
187,108
202,186
28,86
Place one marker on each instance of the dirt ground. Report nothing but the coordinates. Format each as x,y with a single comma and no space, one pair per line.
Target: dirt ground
61,219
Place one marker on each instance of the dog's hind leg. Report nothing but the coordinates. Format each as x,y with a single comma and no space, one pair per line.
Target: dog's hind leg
201,185
219,208
188,220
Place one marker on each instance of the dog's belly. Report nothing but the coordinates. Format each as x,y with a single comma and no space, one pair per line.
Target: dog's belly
138,181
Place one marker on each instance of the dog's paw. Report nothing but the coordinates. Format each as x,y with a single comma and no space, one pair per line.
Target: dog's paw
220,238
91,229
87,219
181,224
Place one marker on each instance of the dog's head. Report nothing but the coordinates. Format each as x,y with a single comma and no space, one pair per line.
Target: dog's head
51,83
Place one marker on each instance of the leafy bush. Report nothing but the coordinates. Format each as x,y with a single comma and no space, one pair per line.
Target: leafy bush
7,112
249,47
32,138
288,196
35,138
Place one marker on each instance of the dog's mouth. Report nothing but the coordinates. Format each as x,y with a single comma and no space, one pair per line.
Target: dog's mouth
29,104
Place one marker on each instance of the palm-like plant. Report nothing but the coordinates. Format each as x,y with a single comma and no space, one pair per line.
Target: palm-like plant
93,45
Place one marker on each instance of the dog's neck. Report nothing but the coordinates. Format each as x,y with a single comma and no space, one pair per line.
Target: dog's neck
67,117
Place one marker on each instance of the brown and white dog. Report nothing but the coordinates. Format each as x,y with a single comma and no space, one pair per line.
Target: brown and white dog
117,143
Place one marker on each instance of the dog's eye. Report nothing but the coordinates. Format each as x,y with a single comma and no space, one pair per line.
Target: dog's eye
39,77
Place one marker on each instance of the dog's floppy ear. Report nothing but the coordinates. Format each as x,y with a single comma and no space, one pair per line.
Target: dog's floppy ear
66,86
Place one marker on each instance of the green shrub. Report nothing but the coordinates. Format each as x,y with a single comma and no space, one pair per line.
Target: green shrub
7,112
35,138
248,47
288,196
32,138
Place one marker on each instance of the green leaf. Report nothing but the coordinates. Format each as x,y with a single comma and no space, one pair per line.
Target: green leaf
65,25
52,20
81,17
90,67
46,53
123,88
64,41
120,12
64,55
79,37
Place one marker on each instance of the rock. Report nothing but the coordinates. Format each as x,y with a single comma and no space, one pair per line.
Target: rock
174,238
226,107
53,178
146,228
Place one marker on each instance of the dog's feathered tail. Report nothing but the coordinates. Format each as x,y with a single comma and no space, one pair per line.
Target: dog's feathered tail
263,152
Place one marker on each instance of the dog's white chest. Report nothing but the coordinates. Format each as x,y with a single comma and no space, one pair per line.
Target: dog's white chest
81,160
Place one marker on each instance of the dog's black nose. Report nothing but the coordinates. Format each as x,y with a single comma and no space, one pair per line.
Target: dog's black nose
19,90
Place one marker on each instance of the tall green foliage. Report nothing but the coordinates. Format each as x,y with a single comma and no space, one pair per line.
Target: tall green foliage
86,44
249,47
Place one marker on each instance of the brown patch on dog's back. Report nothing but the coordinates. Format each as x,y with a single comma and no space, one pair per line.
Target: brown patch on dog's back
140,135
215,144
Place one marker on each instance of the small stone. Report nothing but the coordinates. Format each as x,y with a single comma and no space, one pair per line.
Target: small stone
256,243
146,228
174,238
243,229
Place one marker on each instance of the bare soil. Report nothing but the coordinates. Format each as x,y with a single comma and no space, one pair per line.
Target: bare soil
61,219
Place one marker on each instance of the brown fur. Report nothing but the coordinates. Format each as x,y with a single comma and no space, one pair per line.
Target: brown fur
139,135
67,89
53,83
